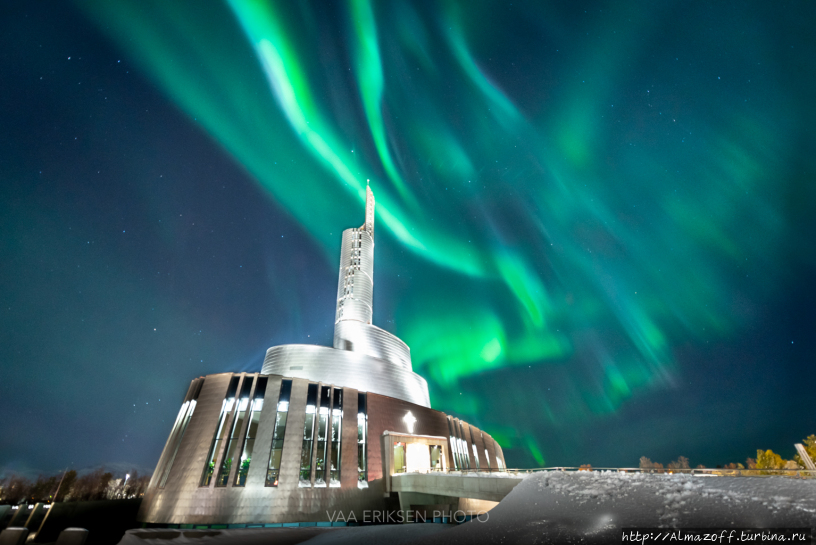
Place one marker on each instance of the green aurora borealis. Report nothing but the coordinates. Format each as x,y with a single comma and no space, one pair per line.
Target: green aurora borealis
594,220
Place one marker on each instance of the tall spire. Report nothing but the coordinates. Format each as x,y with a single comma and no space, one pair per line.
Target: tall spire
369,218
355,287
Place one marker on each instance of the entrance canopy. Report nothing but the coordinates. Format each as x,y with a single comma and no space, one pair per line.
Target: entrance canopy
410,453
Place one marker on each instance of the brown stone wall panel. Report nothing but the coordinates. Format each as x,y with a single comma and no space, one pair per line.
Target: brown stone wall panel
476,436
385,413
348,440
500,453
497,452
491,451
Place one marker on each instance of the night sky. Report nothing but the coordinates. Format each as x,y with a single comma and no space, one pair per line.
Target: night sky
596,221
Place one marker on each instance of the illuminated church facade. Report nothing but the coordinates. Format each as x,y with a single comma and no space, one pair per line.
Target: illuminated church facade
316,431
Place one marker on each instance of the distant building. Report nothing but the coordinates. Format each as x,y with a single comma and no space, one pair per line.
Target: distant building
315,432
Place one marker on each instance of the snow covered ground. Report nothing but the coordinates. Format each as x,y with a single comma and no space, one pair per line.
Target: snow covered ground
592,507
577,507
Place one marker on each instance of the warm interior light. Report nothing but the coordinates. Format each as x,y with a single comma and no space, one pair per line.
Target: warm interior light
417,457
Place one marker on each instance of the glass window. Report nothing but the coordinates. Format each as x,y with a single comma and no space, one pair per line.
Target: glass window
273,471
463,450
323,419
336,423
234,442
220,432
252,431
475,451
487,456
308,437
436,462
454,445
177,425
183,419
362,433
399,457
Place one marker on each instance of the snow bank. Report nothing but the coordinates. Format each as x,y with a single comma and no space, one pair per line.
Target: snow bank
561,507
592,507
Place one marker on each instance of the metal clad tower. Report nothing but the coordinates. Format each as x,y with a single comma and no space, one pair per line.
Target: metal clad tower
362,356
355,288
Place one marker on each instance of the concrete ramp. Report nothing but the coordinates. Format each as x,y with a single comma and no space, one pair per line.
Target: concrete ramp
477,486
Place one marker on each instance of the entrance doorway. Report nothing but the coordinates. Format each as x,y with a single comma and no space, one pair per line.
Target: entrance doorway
399,457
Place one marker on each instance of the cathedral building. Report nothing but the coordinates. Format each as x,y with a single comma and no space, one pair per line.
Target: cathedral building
317,431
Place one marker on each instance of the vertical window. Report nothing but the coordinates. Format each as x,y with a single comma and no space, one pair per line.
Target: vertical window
458,446
273,472
220,432
308,437
487,456
475,451
362,432
322,435
177,426
436,462
252,431
184,416
454,445
463,446
336,422
399,457
234,442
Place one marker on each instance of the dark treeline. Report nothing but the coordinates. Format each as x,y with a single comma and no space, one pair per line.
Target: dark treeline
96,485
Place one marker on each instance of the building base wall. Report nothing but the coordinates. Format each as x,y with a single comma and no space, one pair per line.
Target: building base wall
180,495
266,505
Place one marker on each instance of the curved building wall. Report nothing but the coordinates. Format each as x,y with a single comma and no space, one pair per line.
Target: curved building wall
182,499
372,341
350,369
